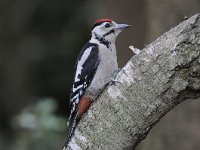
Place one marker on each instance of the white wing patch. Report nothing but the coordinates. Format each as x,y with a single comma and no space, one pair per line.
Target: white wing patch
81,62
77,88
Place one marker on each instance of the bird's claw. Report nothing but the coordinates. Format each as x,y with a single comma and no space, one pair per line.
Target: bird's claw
113,80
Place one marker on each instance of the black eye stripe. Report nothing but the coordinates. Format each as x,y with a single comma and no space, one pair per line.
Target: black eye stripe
98,24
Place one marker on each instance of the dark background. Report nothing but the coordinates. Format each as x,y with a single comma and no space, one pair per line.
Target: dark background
39,42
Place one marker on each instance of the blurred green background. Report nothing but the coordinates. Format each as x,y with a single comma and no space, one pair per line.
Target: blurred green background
39,42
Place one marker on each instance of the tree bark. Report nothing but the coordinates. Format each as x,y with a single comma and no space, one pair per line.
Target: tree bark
164,74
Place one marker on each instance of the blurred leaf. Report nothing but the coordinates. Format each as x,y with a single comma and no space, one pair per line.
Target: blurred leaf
38,124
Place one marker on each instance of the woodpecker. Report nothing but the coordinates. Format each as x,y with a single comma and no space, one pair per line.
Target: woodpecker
95,65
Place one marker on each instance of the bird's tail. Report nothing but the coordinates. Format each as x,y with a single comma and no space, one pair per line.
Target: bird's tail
75,117
72,126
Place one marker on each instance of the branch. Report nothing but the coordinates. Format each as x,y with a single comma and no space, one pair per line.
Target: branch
162,75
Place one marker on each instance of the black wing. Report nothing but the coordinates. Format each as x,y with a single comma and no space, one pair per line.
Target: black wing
86,66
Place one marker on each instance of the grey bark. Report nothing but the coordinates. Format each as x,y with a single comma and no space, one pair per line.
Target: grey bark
164,74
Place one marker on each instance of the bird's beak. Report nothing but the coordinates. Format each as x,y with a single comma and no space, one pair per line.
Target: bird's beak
122,26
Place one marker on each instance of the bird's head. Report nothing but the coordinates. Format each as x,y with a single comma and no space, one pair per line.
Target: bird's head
107,29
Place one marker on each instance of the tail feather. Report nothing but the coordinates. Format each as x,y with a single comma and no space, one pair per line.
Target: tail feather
75,117
72,126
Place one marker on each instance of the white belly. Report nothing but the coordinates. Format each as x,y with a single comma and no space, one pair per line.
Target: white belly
108,64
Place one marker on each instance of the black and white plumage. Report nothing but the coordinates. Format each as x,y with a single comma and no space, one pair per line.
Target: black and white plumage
86,66
95,66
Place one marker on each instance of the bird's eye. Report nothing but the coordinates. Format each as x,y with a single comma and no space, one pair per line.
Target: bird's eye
107,25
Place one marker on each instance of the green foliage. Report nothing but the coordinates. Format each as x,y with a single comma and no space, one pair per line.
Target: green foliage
38,128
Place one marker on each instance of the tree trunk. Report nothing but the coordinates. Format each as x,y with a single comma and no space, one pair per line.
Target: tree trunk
164,74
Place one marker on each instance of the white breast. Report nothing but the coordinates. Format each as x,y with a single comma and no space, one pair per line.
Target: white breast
108,64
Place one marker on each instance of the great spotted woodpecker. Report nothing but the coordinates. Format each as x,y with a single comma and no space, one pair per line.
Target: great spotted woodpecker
95,66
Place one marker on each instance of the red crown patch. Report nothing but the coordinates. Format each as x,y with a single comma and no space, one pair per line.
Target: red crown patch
103,20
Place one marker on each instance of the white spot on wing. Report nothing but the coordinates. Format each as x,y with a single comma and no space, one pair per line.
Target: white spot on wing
81,62
75,97
75,89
